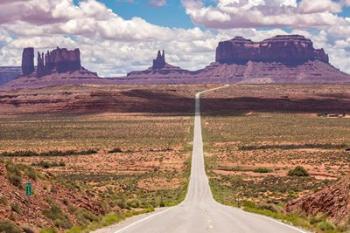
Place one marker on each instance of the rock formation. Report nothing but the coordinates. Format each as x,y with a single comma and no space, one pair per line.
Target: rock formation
281,59
159,62
58,60
289,50
160,69
332,202
57,67
28,61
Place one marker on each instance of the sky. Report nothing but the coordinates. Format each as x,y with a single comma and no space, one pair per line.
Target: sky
119,36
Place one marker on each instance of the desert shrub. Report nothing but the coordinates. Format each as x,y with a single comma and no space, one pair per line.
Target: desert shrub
133,203
115,150
19,154
3,200
292,146
85,217
14,174
15,207
122,203
262,170
110,219
27,229
325,226
47,164
47,153
48,230
31,173
298,171
9,227
75,229
57,216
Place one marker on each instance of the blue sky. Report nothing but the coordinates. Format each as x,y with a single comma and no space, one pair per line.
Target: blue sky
172,14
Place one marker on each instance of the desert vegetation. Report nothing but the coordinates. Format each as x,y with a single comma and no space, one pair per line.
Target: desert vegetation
128,164
262,154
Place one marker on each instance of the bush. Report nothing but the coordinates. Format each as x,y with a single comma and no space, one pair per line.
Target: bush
298,171
115,150
9,227
28,229
48,153
110,219
325,226
75,229
30,172
58,217
133,203
85,217
262,170
3,200
47,164
48,230
14,175
15,207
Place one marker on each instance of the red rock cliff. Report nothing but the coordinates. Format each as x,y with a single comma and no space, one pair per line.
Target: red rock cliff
290,50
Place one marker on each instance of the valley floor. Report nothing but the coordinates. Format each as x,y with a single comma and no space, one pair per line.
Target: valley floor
128,148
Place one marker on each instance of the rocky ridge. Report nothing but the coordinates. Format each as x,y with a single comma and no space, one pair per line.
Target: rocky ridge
332,202
9,73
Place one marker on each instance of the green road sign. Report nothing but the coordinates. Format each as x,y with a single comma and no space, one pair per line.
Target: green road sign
29,189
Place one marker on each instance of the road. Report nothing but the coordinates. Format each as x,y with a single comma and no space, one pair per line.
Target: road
199,212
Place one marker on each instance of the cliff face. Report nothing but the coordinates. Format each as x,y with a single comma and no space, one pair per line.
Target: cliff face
289,50
58,60
28,61
332,202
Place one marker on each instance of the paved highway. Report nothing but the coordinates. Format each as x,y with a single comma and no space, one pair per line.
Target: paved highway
200,213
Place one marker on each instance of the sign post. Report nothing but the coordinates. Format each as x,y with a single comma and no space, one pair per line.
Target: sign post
29,189
29,193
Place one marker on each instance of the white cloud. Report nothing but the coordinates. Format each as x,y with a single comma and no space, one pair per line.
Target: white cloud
261,13
307,6
114,46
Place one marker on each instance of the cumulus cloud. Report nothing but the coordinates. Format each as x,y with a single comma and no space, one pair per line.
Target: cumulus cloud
262,13
113,46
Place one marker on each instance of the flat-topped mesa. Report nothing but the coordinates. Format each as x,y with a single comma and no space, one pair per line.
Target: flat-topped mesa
58,60
289,50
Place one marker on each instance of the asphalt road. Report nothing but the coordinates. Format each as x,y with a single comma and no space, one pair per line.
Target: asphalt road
200,213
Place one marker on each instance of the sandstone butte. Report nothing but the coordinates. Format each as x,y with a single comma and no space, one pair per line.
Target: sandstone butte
280,59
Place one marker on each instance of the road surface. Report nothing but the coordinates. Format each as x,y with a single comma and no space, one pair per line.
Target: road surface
200,213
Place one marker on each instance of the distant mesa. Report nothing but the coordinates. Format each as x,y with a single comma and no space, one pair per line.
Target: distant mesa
59,60
280,59
9,73
289,50
160,68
